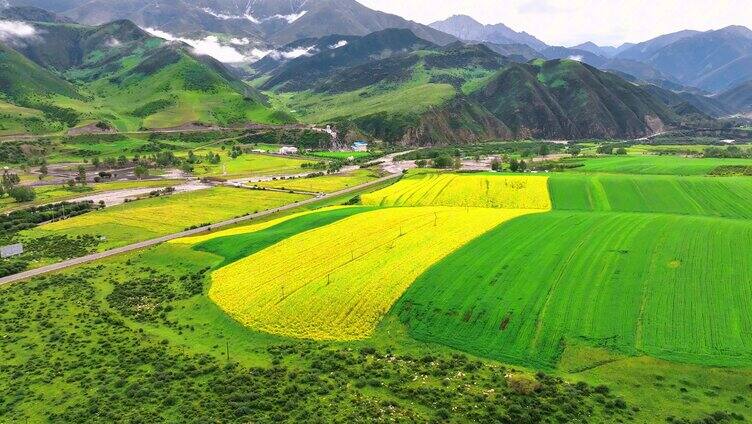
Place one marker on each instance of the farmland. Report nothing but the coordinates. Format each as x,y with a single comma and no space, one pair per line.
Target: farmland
316,297
431,189
136,221
255,238
655,165
323,184
722,197
474,280
252,164
617,281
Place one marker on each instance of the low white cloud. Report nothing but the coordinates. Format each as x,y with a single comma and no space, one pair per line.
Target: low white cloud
292,54
15,30
161,34
247,16
240,41
578,58
338,44
289,18
209,46
113,42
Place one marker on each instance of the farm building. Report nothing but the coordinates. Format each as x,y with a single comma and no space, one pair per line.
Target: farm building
288,150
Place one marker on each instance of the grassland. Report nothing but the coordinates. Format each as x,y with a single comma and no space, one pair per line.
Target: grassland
336,283
488,191
323,184
631,283
145,219
409,99
655,165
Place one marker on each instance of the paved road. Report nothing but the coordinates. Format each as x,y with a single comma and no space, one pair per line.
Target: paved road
148,243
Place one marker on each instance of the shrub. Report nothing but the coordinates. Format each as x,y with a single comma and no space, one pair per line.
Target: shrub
22,194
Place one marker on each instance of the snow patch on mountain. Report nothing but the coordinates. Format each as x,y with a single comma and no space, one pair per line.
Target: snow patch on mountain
577,58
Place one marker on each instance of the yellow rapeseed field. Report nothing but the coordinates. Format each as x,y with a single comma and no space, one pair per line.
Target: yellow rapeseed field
158,216
485,191
337,281
251,228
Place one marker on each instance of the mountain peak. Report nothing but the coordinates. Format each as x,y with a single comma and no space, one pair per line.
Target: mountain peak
467,28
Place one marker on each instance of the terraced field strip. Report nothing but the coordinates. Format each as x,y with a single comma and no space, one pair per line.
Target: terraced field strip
711,196
466,190
673,287
255,238
336,282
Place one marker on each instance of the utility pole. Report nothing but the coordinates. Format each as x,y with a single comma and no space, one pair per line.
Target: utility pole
227,349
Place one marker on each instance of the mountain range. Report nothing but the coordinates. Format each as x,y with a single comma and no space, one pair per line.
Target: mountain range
370,74
466,28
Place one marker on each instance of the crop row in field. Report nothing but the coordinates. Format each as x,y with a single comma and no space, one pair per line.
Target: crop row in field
726,197
487,191
144,219
337,281
673,287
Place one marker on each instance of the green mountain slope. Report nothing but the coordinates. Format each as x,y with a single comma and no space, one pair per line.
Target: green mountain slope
24,82
413,98
28,96
462,93
739,98
568,99
304,72
132,80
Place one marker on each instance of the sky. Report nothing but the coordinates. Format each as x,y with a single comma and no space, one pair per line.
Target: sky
571,22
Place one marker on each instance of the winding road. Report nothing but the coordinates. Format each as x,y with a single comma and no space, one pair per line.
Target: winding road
153,242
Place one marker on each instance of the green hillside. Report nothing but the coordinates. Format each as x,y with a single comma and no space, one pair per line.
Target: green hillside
568,99
28,96
129,80
465,93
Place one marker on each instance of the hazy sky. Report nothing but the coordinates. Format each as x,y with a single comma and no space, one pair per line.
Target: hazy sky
570,22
